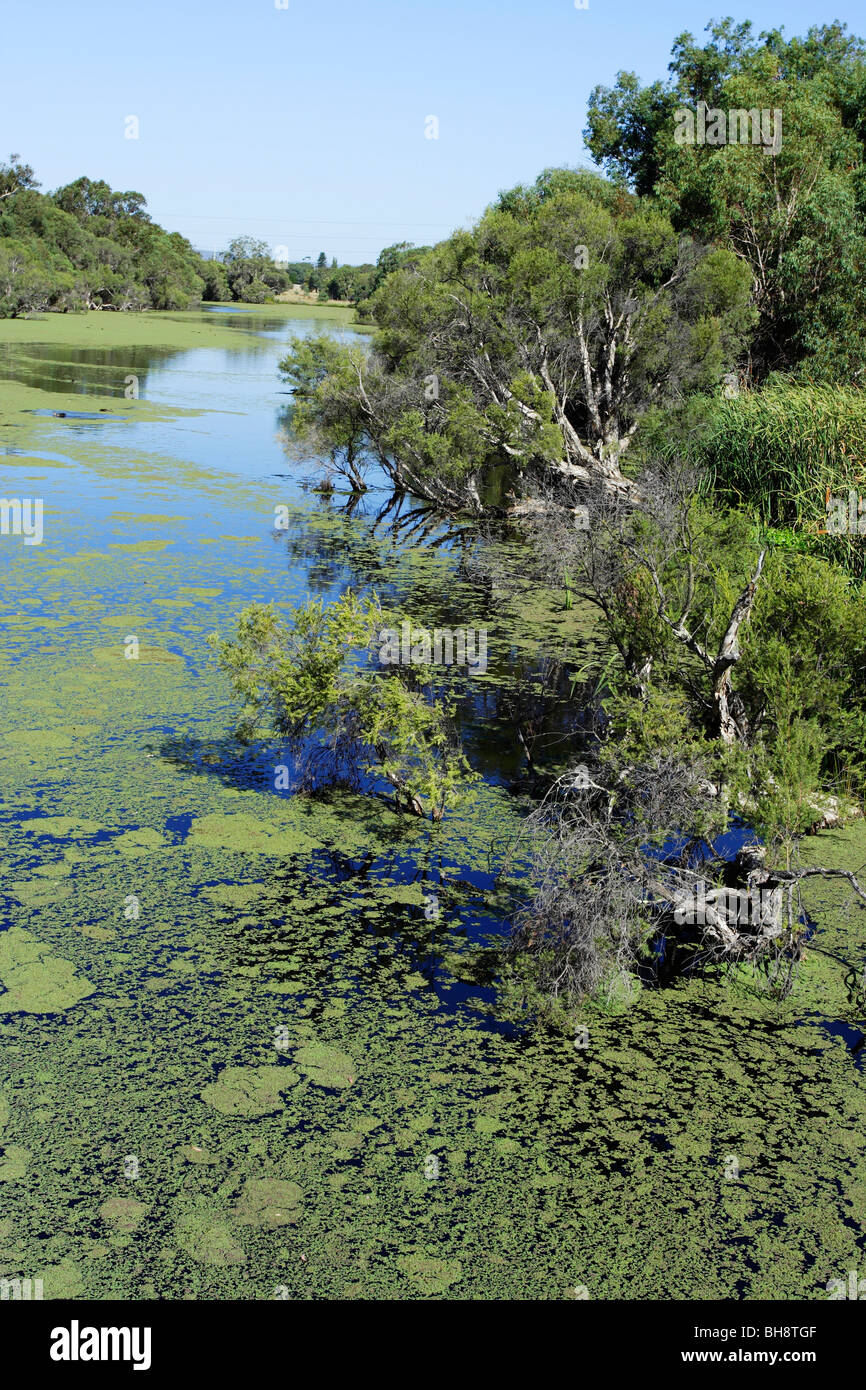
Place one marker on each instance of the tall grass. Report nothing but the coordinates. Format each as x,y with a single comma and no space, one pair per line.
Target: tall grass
779,451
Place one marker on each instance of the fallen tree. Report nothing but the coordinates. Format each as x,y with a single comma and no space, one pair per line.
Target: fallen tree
620,893
730,685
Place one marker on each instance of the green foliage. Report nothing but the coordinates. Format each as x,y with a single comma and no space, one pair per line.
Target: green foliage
796,216
542,335
800,675
782,452
802,671
87,247
328,418
250,272
216,281
308,679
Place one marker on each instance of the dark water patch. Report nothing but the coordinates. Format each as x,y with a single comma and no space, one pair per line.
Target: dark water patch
852,1035
75,414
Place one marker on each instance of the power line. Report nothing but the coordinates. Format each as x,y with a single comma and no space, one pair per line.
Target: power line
297,221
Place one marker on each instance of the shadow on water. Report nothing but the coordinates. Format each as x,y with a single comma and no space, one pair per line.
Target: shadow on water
352,888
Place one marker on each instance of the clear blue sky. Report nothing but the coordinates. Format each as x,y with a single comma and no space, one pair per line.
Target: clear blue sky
305,125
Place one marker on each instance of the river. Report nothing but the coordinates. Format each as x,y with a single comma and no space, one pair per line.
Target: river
250,1043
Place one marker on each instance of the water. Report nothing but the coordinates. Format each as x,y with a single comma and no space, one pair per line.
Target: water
250,1041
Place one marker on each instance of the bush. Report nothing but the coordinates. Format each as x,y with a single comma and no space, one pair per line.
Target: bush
340,716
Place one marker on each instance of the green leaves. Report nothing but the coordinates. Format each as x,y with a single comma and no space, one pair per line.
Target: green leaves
308,680
795,217
541,336
88,247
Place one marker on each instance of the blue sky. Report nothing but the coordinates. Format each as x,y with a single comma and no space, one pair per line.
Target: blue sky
305,126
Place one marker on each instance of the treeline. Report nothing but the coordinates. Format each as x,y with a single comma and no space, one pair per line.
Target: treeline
251,272
87,247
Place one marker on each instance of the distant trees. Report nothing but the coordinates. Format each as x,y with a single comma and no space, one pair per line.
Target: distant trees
87,246
251,273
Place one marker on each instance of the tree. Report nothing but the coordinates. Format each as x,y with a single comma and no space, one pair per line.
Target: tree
87,246
15,176
246,248
328,423
216,282
628,875
732,683
539,340
27,282
796,214
753,659
308,679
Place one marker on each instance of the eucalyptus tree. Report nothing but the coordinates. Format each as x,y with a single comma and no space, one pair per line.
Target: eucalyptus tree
533,344
794,210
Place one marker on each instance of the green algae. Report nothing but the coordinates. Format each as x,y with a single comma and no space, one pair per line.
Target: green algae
205,1237
63,1280
35,980
60,868
249,835
135,842
194,1153
147,518
123,1213
235,895
13,1163
248,1091
268,1202
140,547
37,740
326,1066
429,1274
147,656
39,892
62,827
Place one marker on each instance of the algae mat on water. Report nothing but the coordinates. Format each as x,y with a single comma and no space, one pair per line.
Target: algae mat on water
238,1056
264,1071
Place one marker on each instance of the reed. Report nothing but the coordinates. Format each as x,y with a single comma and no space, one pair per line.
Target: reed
780,451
